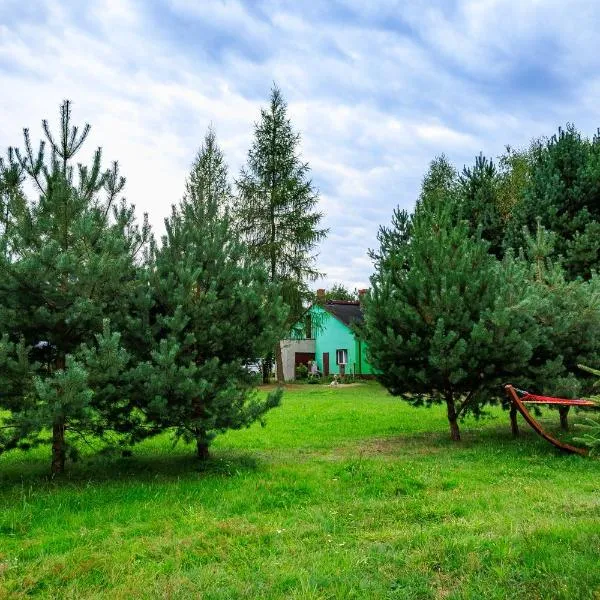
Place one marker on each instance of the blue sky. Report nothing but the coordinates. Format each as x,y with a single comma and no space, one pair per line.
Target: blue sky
377,89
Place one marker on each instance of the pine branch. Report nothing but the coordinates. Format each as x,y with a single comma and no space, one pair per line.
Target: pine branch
30,166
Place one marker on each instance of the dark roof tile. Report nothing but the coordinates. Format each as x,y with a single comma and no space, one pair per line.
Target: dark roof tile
346,312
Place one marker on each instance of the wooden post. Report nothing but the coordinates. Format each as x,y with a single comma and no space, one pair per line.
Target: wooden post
563,411
520,406
514,425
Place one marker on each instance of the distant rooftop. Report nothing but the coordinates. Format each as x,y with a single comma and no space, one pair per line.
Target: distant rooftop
346,311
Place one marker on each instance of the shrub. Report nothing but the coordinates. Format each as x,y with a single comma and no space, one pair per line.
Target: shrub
301,371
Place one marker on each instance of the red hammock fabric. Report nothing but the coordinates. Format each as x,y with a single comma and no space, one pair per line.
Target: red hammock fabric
535,399
519,405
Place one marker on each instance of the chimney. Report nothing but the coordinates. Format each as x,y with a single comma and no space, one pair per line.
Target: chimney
321,294
361,294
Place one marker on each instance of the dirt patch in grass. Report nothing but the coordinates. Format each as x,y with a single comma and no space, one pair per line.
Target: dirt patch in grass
430,443
425,444
398,445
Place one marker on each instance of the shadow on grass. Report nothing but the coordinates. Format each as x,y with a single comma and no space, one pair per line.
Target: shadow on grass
483,437
155,464
138,468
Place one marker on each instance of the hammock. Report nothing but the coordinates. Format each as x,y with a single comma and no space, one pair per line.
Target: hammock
518,400
535,399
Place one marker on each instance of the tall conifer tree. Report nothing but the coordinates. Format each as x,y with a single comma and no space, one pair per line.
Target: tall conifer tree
214,309
12,199
562,189
68,279
480,205
444,320
567,314
208,182
276,210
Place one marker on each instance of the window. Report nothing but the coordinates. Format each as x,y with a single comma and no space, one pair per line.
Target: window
341,357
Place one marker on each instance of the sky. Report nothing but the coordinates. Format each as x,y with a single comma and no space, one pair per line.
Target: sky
376,89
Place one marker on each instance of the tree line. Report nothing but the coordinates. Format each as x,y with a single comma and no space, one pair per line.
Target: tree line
107,334
492,279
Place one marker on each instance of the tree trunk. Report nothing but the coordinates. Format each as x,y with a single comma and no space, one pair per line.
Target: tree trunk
563,411
202,447
279,364
267,363
513,421
59,447
452,418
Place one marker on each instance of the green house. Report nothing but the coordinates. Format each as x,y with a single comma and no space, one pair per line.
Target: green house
328,339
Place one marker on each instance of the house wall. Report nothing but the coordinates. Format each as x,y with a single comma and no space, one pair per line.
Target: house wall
365,366
288,355
331,335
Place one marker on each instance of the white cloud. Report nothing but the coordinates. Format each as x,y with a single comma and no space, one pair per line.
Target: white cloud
376,93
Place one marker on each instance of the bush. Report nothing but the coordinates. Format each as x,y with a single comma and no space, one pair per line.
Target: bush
301,371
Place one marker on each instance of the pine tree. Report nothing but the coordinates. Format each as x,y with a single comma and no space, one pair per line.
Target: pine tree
12,199
391,239
567,316
445,321
563,190
276,211
68,280
214,310
439,186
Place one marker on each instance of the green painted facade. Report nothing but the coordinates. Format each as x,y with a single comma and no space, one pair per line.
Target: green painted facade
331,335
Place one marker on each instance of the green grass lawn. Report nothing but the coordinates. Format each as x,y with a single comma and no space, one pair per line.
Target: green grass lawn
347,493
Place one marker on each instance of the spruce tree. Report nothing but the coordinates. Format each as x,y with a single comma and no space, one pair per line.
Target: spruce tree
480,203
208,181
484,195
213,310
276,211
68,280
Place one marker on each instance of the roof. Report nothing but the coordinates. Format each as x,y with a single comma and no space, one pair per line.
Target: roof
346,311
